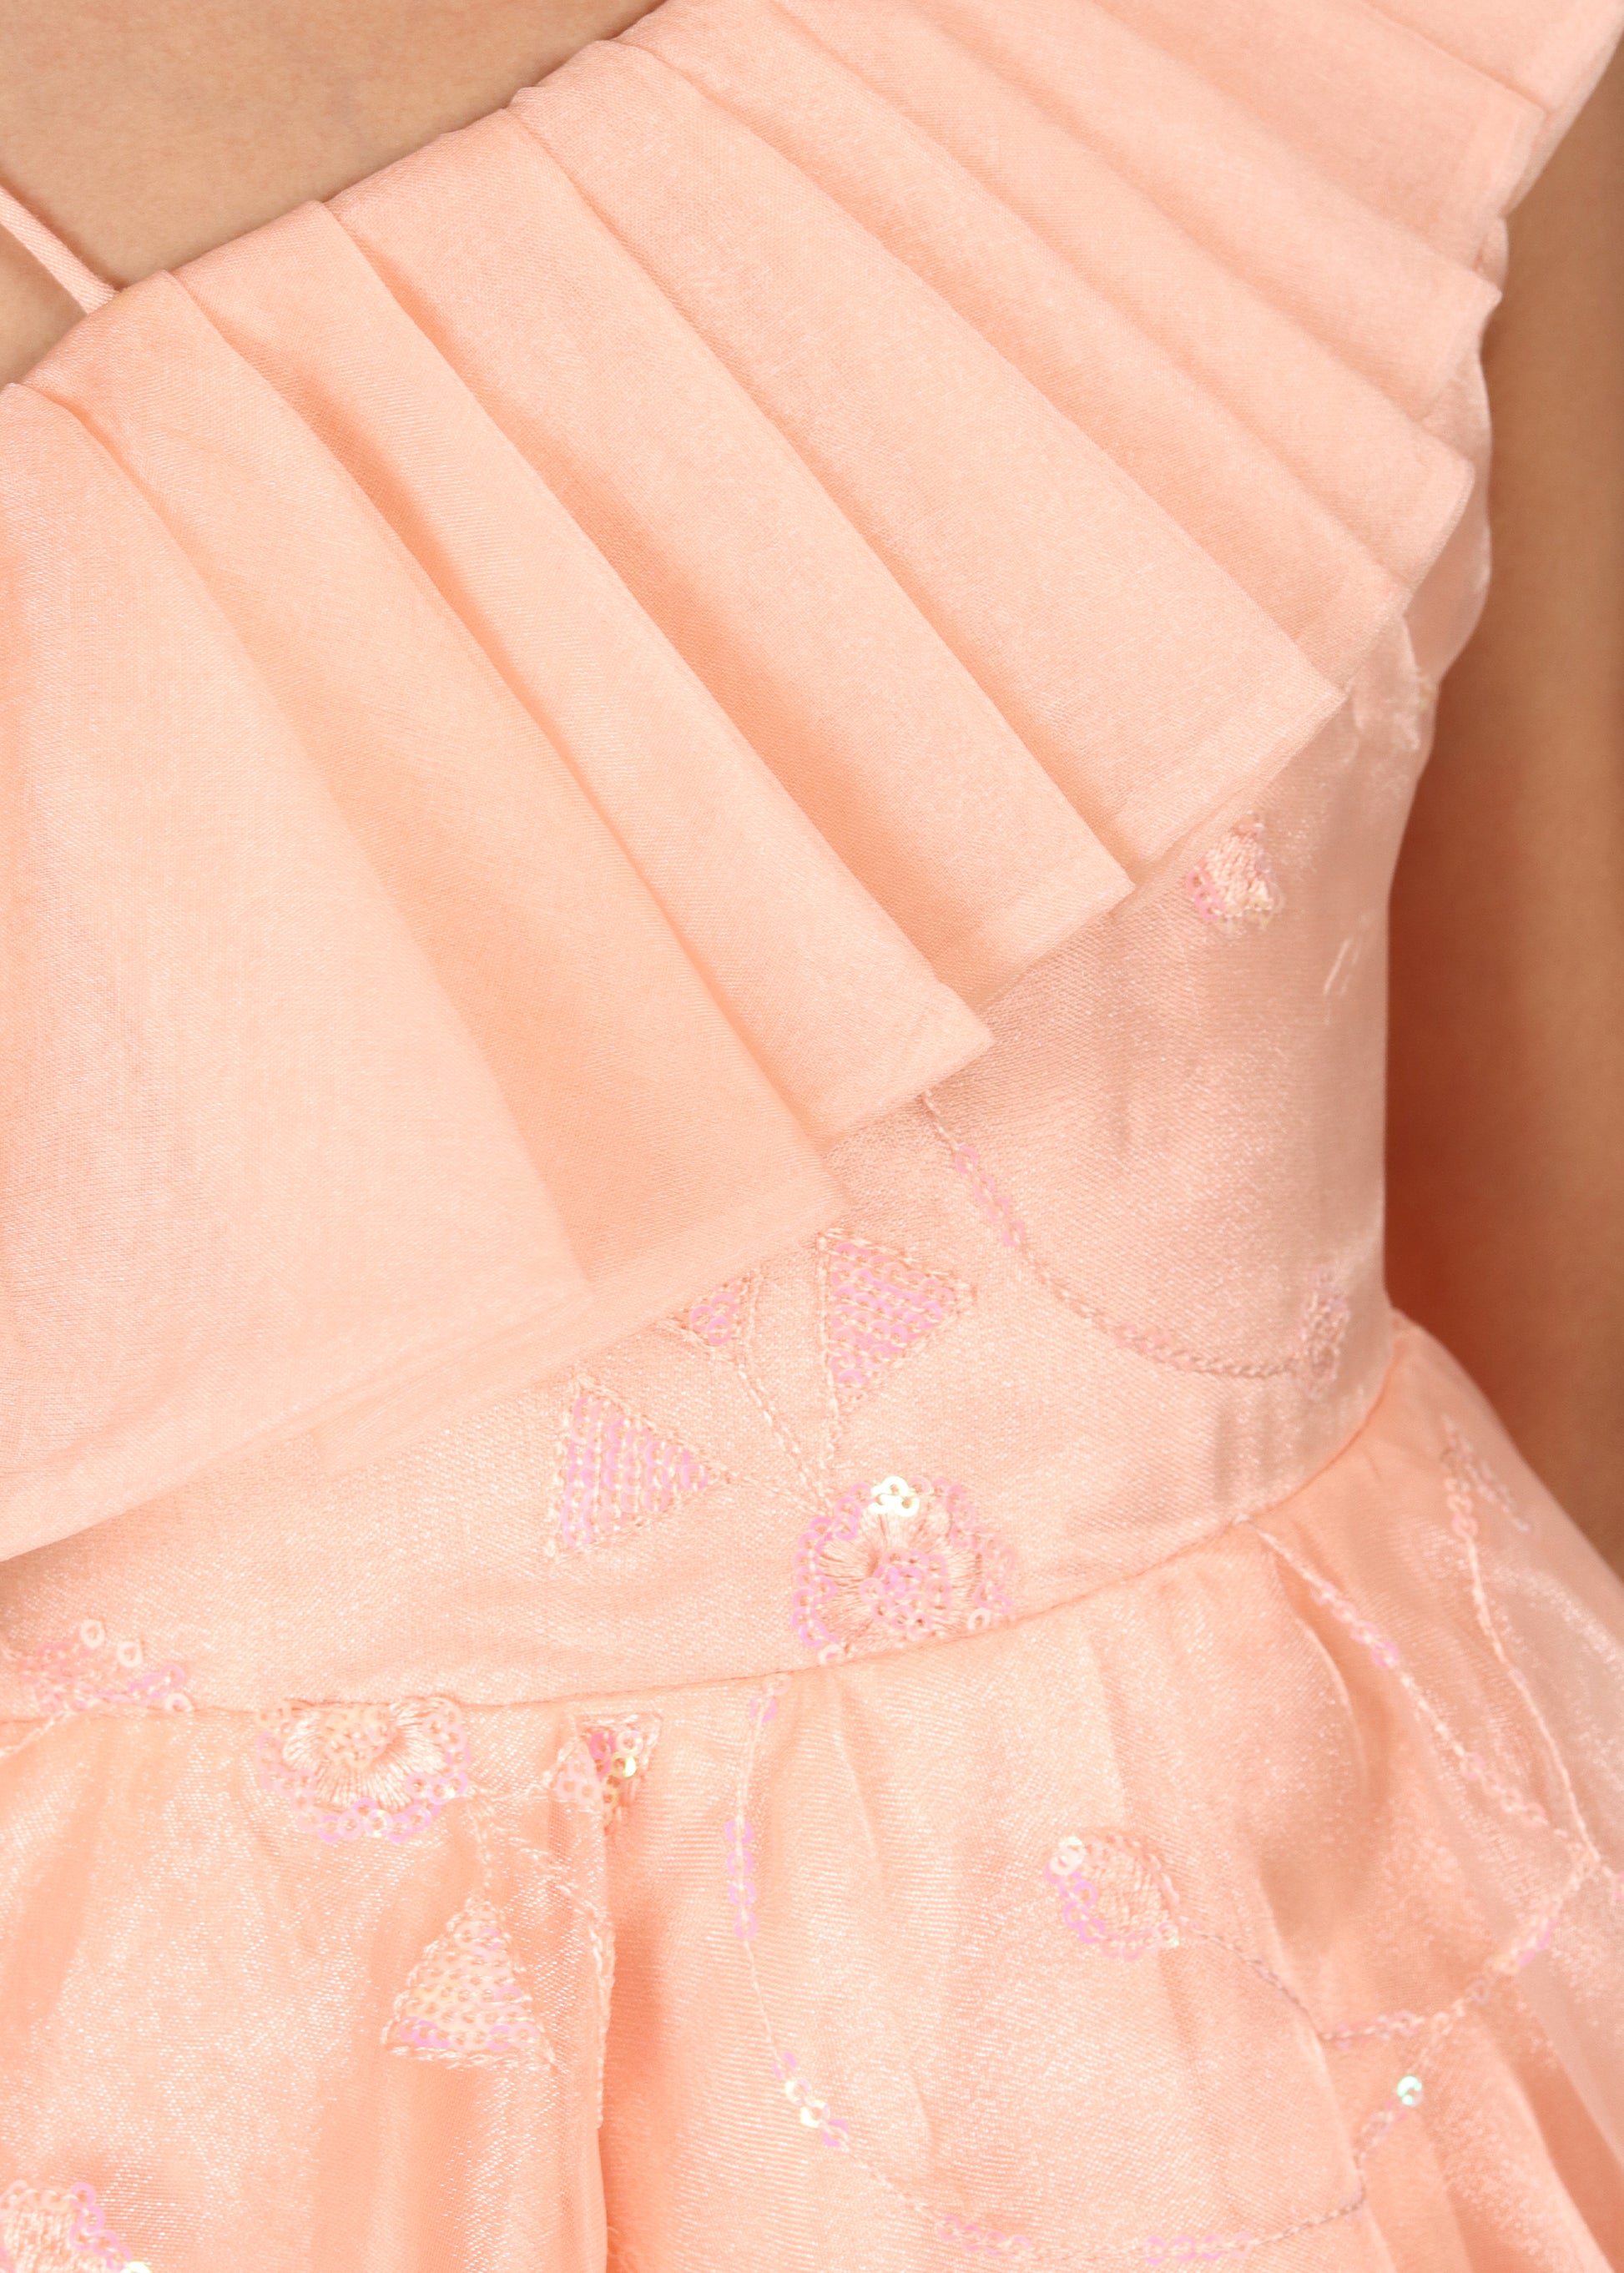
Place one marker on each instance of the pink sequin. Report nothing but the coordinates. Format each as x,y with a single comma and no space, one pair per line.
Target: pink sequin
86,1672
59,2230
603,1770
1234,885
718,1319
615,1472
365,1771
464,2003
1114,1895
878,1306
1322,1328
901,1561
814,2111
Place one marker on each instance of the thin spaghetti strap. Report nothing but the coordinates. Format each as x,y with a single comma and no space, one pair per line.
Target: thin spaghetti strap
79,282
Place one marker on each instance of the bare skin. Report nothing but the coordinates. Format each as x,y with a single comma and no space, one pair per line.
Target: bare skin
1506,1197
146,131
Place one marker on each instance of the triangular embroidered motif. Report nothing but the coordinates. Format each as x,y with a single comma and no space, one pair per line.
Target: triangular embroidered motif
463,2003
615,1472
878,1306
718,1318
602,1770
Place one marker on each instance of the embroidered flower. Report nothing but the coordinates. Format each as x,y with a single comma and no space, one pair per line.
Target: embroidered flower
906,1561
1322,1328
59,2230
1234,885
1114,1895
877,1305
365,1771
464,2003
602,1770
86,1672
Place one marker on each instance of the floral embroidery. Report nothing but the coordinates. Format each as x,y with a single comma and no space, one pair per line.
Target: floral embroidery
906,1561
601,1771
615,1472
1114,1895
741,1840
1322,1331
718,1319
1234,885
464,2003
86,1672
365,1771
59,2230
877,1306
813,2110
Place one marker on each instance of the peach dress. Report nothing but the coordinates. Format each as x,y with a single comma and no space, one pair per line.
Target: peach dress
718,1552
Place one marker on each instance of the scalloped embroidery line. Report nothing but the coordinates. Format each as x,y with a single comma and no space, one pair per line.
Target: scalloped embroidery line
1314,1360
976,2237
59,2230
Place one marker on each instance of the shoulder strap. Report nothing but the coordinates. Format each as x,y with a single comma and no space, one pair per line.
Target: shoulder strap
79,282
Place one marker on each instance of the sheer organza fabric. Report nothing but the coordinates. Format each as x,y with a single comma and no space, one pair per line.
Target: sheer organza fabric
719,1546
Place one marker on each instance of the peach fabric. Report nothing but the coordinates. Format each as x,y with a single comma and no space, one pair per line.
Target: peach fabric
717,1550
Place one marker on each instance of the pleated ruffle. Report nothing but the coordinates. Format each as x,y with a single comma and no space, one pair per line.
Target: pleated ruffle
551,689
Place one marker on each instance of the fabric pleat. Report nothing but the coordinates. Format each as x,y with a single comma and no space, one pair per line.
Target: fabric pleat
554,687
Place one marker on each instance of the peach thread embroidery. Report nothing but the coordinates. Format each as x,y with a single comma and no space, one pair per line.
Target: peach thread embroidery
740,1838
903,1560
1322,1330
464,2003
615,1472
1234,885
59,2230
1200,2248
877,1305
1312,1361
1114,1894
87,1672
365,1771
977,2239
602,1770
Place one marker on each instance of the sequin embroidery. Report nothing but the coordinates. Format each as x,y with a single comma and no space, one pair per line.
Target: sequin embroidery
1234,885
1114,1895
718,1318
877,1305
87,1671
615,1472
59,2230
603,1769
904,1561
464,2003
365,1771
